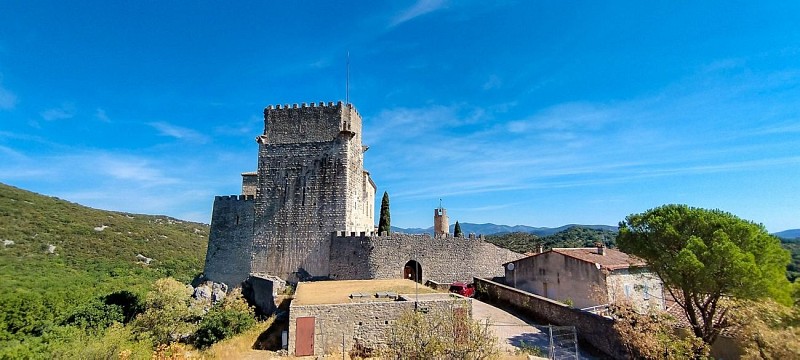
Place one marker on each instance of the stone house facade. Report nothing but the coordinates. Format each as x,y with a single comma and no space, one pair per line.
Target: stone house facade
587,277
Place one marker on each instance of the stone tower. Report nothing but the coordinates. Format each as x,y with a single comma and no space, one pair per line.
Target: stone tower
441,224
311,183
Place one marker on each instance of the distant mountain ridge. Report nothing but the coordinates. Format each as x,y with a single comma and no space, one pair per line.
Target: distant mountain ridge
491,229
791,234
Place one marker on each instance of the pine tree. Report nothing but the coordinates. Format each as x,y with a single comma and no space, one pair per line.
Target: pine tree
457,230
385,221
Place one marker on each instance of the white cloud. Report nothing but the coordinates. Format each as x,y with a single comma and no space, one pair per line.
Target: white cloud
493,82
422,7
179,132
134,169
709,124
66,111
100,114
7,99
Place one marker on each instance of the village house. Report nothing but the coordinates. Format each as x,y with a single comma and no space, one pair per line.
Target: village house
587,277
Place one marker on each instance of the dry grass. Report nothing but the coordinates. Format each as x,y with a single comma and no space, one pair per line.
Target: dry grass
240,346
336,292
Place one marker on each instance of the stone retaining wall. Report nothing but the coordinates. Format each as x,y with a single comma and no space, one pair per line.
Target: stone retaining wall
593,329
368,323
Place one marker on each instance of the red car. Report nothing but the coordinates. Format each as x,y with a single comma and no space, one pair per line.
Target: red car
463,289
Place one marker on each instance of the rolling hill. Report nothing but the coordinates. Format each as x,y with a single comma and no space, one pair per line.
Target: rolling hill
792,235
66,253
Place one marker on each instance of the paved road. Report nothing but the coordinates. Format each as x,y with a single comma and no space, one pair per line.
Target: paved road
510,330
513,332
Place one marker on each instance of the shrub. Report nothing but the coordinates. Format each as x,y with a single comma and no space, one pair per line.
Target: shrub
233,316
169,315
128,302
94,316
653,336
766,329
439,334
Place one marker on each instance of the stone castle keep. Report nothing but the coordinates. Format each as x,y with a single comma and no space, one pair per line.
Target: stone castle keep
308,213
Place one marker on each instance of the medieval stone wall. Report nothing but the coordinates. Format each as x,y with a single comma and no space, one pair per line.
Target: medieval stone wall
443,259
228,254
311,177
249,183
368,323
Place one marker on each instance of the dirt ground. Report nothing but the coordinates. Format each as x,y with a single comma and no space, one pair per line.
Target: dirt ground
336,292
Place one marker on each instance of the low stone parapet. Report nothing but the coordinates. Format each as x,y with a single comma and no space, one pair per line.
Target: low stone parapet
592,329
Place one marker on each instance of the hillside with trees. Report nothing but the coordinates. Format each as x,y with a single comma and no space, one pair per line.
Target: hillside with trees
575,236
65,267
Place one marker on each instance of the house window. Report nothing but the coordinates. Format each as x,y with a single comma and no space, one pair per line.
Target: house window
627,290
646,290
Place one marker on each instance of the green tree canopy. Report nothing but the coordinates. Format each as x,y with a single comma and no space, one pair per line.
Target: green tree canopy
385,221
704,256
457,230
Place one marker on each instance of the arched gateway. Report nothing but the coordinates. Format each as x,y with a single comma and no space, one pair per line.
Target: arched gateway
413,271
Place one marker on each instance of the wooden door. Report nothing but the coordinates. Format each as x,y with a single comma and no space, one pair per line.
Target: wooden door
304,332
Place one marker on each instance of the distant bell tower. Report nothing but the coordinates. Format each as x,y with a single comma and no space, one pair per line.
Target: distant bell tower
441,224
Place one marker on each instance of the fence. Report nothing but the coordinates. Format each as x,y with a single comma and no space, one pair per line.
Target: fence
563,343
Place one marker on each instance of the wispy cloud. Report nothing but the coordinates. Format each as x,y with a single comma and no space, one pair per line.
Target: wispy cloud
149,184
421,7
100,114
66,111
703,125
178,132
493,82
7,99
134,169
245,128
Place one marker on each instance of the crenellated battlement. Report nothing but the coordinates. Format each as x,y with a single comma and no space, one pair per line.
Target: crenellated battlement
321,104
306,123
304,105
235,198
374,234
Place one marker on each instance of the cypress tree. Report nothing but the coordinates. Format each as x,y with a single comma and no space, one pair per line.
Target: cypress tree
385,222
457,230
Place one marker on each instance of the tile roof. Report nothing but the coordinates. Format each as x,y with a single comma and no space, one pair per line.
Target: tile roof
612,260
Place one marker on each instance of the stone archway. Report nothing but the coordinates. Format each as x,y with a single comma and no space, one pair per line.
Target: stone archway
413,271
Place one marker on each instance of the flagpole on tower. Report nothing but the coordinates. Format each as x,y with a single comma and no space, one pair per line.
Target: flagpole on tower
347,81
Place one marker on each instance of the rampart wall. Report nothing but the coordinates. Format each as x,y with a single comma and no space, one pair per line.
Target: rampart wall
228,255
593,329
443,259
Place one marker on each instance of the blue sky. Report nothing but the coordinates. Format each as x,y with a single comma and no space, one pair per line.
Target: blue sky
514,112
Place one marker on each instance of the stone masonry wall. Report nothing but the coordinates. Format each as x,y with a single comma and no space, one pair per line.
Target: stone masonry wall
228,254
443,259
593,329
310,174
369,323
249,183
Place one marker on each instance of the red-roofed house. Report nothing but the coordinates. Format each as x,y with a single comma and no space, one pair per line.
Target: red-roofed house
587,277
